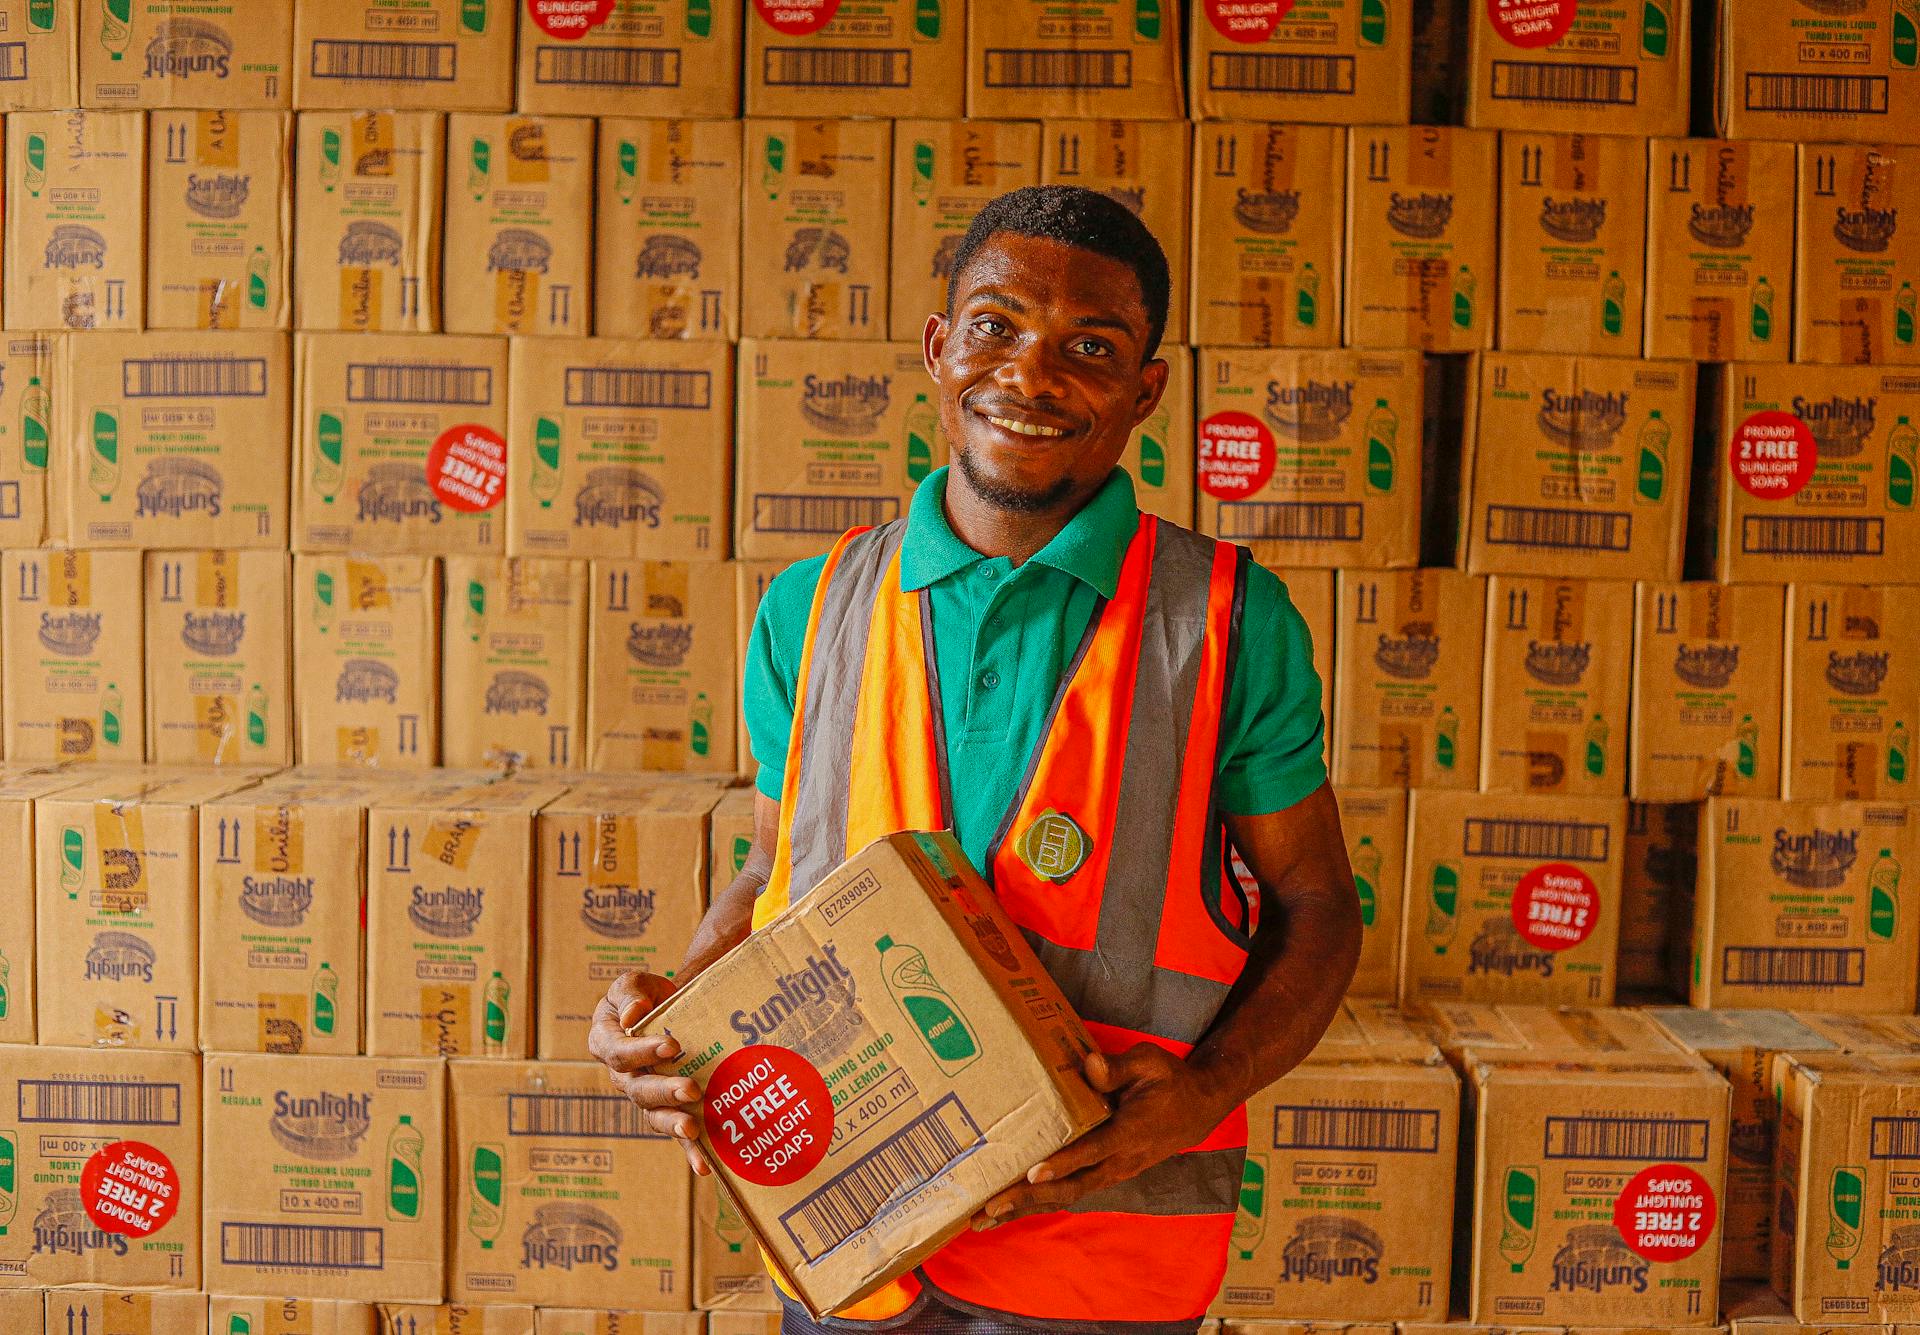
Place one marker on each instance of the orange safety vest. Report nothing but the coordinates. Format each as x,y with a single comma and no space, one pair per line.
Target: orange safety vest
1110,859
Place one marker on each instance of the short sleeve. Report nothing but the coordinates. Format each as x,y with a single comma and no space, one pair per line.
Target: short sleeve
1272,730
770,676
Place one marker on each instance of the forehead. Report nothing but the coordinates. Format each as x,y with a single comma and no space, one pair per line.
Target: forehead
1042,275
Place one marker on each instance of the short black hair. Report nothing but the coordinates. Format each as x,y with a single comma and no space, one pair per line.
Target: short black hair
1086,219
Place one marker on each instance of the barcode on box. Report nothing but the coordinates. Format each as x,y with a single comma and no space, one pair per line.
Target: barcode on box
102,1102
1006,68
194,378
1587,85
1555,840
385,382
598,1115
13,61
607,66
1659,1138
1895,1138
774,513
1811,535
1794,966
836,67
302,1246
891,1171
1570,530
1388,1130
385,62
1814,94
638,387
1293,521
1257,72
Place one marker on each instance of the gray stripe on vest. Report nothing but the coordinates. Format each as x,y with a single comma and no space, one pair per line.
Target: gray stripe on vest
817,827
1204,1182
1162,1002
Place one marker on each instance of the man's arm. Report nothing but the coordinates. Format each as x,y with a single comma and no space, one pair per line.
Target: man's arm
1302,958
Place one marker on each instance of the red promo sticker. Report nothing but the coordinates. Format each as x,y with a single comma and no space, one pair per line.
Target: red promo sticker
796,18
1556,906
1531,23
1772,455
1235,455
769,1116
467,467
1246,20
1666,1212
129,1187
569,20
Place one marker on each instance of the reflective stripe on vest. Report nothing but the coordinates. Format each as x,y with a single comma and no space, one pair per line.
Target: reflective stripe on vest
1108,859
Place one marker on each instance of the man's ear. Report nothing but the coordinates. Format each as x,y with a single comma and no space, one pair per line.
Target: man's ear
933,339
1153,384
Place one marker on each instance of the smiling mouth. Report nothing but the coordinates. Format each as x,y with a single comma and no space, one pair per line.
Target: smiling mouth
1024,428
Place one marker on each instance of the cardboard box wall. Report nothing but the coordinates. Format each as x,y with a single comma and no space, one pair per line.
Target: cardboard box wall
366,652
451,55
728,1274
644,58
661,676
813,224
60,1106
620,448
113,1311
726,1322
76,220
457,1319
1720,229
1421,238
1344,63
730,839
667,228
1707,671
367,196
1375,823
600,1321
1115,58
24,1310
1511,898
1837,73
1312,458
1852,701
1612,70
208,53
1313,596
219,654
518,240
46,54
1141,164
514,644
1656,895
1407,662
72,656
332,1181
28,428
219,220
1159,453
750,580
19,787
1798,905
1270,200
1856,300
291,1316
1876,1035
880,59
1584,1030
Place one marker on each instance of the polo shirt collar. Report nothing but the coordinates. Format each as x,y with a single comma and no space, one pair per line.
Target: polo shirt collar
1090,547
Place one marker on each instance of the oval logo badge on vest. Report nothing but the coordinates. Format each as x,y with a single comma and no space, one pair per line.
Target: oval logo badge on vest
1054,847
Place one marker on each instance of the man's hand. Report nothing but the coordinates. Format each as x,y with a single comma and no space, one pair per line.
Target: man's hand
663,1099
1160,1108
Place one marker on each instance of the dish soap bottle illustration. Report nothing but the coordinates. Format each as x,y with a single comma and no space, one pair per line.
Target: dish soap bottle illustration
1443,905
116,27
406,1152
1382,428
9,1180
1845,1202
1904,303
728,1223
328,440
922,425
110,710
1760,316
1897,744
545,482
1153,449
700,734
323,601
1446,734
1903,444
103,454
485,1218
36,410
1519,1204
1613,302
1366,877
1883,897
927,1006
326,998
1747,759
1597,732
258,271
257,716
1306,297
1650,480
1250,1221
1463,286
494,1028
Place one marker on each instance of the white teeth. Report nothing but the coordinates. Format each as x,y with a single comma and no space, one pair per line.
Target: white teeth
1025,428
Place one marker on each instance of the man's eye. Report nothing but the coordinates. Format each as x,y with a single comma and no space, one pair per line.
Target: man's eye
991,326
1092,347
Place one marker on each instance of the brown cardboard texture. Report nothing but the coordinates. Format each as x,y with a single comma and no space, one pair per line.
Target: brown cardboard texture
20,786
513,643
1344,63
367,199
620,1213
1599,68
1581,1030
928,997
727,1271
332,1178
457,1319
644,58
1812,72
219,658
189,53
72,656
1159,454
291,1316
28,426
112,1311
1271,202
451,55
1375,823
46,55
829,437
1656,895
661,676
1113,57
1856,301
750,580
1312,458
366,653
1720,220
1852,693
730,837
1312,594
76,220
619,448
219,220
58,1108
667,229
813,220
1511,898
1578,466
518,243
1143,165
1797,904
1707,670
1421,238
600,1321
877,59
1406,696
25,1310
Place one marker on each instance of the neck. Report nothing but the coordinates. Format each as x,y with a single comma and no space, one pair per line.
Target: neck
994,530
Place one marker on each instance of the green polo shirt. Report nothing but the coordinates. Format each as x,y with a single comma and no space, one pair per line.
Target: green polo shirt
1003,634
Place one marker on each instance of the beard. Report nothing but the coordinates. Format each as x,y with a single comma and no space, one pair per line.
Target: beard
1005,496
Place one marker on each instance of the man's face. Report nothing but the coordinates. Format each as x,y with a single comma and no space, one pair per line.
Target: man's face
1039,370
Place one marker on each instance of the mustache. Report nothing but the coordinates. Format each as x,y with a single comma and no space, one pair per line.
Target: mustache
1019,409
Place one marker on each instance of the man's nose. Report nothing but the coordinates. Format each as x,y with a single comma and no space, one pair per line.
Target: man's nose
1032,369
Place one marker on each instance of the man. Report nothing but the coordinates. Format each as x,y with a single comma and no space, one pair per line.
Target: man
1095,703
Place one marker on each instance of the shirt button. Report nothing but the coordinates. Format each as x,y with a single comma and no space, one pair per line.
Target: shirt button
989,572
989,680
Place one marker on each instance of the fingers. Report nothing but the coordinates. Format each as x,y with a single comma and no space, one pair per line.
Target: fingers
633,994
1026,1198
1110,1072
622,1055
661,1092
1097,1145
